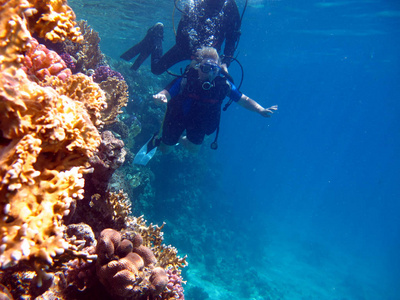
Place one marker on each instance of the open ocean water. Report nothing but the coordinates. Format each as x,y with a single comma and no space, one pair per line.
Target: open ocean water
306,204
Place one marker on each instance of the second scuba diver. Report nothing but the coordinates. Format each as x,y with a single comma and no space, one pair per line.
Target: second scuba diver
203,23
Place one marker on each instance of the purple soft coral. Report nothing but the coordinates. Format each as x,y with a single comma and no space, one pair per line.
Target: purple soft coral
66,57
103,72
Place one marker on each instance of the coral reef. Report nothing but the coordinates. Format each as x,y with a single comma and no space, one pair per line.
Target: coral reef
47,140
49,147
86,55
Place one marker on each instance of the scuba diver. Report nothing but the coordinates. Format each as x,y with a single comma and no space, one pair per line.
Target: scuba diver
194,103
203,23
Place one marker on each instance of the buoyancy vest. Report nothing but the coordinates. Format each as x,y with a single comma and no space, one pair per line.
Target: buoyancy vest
192,87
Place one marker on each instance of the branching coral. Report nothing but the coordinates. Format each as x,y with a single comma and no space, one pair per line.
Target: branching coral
153,237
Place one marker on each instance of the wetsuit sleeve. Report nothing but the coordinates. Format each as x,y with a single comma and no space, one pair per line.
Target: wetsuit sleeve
174,87
234,93
232,29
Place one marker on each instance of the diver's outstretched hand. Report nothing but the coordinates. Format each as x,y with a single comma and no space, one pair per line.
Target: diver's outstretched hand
267,112
161,97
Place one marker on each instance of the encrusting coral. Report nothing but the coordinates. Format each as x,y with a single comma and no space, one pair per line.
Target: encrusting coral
46,141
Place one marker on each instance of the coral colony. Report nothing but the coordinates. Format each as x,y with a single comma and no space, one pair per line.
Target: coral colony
58,238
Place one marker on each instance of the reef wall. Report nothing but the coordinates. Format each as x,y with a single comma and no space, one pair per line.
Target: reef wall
53,241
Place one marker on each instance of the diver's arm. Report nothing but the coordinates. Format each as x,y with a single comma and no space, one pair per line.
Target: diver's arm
252,105
170,91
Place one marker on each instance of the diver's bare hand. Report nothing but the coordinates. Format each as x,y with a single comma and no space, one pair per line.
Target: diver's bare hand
160,98
267,112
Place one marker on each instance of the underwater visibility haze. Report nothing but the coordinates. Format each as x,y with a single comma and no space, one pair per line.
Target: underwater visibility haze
304,204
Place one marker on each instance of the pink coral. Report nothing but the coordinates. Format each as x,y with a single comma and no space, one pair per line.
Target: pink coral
174,285
41,62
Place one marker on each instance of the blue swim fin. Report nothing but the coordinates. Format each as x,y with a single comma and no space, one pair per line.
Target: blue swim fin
147,151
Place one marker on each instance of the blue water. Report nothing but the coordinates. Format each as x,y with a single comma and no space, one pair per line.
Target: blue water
307,202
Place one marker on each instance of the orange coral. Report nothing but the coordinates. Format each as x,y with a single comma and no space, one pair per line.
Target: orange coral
81,88
14,34
53,20
46,139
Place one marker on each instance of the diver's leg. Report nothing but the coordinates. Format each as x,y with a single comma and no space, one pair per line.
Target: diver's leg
146,46
160,64
138,62
165,149
132,52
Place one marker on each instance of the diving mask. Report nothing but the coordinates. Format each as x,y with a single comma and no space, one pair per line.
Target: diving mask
210,66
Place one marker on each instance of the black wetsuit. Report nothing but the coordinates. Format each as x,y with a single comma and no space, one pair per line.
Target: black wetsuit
193,108
199,26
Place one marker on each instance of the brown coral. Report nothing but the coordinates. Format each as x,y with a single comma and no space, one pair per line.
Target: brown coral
126,273
87,54
119,274
159,280
117,97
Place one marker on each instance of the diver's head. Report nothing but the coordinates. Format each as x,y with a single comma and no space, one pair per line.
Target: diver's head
208,63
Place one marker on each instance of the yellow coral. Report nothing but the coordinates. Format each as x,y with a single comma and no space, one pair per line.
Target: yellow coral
53,20
46,140
80,87
14,34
